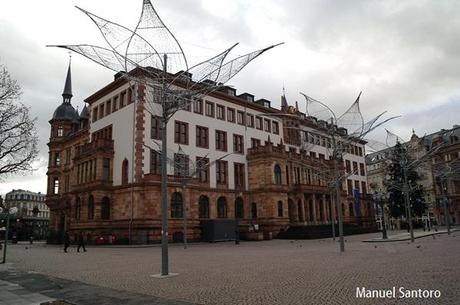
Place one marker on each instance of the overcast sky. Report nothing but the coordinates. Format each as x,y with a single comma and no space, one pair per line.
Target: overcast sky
403,55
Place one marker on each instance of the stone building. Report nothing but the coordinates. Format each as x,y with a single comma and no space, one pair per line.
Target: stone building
377,166
446,176
33,213
104,166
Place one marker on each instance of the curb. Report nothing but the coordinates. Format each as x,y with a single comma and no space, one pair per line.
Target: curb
406,238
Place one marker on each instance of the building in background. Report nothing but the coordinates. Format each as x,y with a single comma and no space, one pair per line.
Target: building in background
377,165
446,165
33,214
104,167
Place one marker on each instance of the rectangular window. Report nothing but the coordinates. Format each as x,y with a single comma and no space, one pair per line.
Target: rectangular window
221,140
221,172
94,114
240,118
181,133
231,115
220,112
155,162
108,107
239,173
348,166
181,165
55,186
267,125
101,111
115,104
350,187
255,143
276,128
238,144
361,169
259,123
202,169
198,106
123,99
57,159
357,185
360,151
130,95
209,109
250,120
155,128
105,169
355,168
202,137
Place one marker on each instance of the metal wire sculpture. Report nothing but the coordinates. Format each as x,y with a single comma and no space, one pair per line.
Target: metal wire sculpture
151,55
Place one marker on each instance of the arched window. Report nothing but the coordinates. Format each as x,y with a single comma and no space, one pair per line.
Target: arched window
221,207
90,207
105,208
277,173
177,207
60,131
77,208
254,210
239,209
203,206
280,209
124,171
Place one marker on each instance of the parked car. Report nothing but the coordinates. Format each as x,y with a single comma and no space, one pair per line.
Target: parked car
106,239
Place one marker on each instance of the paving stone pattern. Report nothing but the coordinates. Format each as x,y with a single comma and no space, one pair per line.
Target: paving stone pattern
26,288
268,272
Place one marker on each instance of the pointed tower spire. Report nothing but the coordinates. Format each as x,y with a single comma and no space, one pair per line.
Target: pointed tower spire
67,93
284,104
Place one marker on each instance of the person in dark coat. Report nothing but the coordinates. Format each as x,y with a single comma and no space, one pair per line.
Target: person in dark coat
81,242
66,241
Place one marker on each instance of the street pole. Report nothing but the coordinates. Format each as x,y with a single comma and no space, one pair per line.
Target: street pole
164,179
337,194
185,213
331,195
6,234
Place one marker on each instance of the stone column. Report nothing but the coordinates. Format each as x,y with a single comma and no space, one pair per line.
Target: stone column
313,198
325,209
302,208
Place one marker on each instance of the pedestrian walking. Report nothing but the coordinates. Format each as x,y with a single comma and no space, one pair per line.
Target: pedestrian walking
81,242
66,241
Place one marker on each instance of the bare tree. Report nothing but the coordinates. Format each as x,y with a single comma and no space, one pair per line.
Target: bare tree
18,136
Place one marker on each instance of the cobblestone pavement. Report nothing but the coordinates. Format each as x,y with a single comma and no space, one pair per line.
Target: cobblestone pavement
269,272
30,288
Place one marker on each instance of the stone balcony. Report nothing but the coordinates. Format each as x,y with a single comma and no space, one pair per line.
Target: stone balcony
93,147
